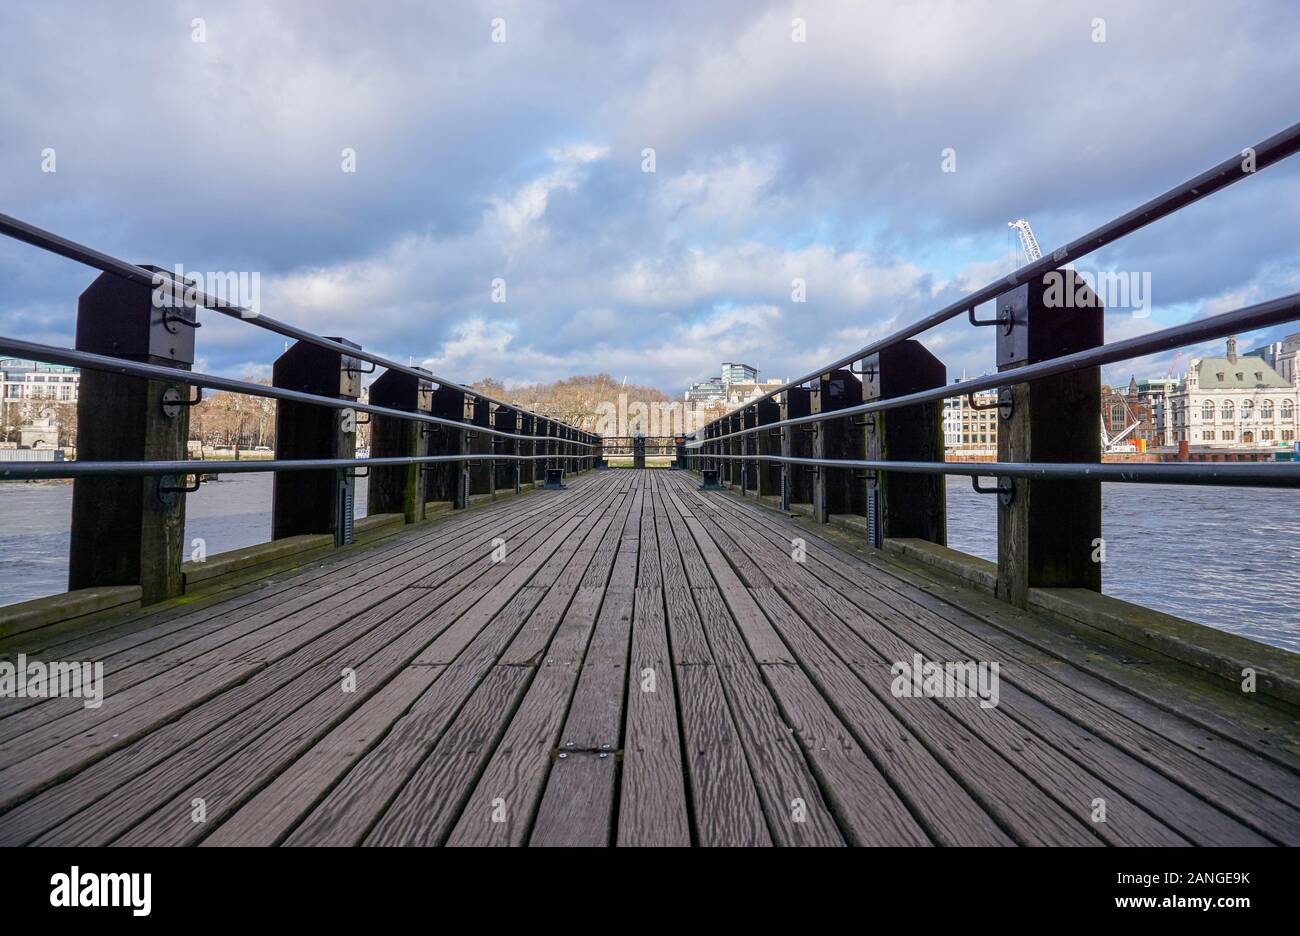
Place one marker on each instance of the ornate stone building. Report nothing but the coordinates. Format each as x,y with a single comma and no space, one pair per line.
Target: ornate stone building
1236,401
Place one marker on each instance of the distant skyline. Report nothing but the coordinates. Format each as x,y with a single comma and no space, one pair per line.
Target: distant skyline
518,165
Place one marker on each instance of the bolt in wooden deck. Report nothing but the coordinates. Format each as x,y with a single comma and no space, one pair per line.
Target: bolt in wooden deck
648,665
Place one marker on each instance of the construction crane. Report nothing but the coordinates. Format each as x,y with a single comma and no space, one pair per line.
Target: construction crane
1028,242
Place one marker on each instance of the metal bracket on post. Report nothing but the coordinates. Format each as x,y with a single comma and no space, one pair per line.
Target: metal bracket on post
169,487
172,401
785,488
1005,405
1005,489
1002,318
464,486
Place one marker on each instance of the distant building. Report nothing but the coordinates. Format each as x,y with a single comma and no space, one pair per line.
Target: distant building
1238,400
42,432
968,431
1129,417
1281,356
738,394
735,386
738,373
26,380
1156,394
706,391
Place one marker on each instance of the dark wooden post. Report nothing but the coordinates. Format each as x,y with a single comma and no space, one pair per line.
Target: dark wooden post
769,443
904,505
749,446
796,442
315,501
478,413
130,530
506,419
443,481
1049,531
527,427
397,488
837,490
731,466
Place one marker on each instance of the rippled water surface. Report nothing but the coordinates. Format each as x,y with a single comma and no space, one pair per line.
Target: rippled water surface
1229,558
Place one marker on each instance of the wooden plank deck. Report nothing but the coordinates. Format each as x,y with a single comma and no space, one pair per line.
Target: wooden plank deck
648,665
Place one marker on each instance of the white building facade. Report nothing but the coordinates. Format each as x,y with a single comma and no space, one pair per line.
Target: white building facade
1236,401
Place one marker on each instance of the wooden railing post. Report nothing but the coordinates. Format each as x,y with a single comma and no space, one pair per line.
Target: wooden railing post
904,505
506,419
130,530
749,446
527,467
735,467
796,442
837,490
478,412
315,501
1049,532
443,481
768,443
397,488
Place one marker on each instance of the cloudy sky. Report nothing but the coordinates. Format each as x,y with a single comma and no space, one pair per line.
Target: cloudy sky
523,161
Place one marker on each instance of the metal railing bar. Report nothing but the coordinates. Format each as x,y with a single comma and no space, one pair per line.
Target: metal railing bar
36,471
49,241
86,359
1270,151
1262,315
1228,474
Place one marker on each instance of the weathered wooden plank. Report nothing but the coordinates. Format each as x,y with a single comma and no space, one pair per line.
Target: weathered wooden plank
1174,805
578,805
652,805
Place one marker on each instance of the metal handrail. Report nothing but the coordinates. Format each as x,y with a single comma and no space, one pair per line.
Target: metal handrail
38,471
47,240
55,355
1234,474
1273,312
1266,153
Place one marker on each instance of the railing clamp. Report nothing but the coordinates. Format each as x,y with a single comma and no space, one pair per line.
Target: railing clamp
169,486
356,473
1003,318
1005,489
1005,404
172,401
170,319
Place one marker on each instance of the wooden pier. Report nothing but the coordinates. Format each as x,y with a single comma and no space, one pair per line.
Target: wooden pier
628,661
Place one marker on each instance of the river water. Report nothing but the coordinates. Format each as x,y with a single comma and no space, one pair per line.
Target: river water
1226,557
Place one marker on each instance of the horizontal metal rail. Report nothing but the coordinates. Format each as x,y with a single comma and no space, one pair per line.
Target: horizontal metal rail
85,359
1266,153
47,240
1234,474
1262,315
41,471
